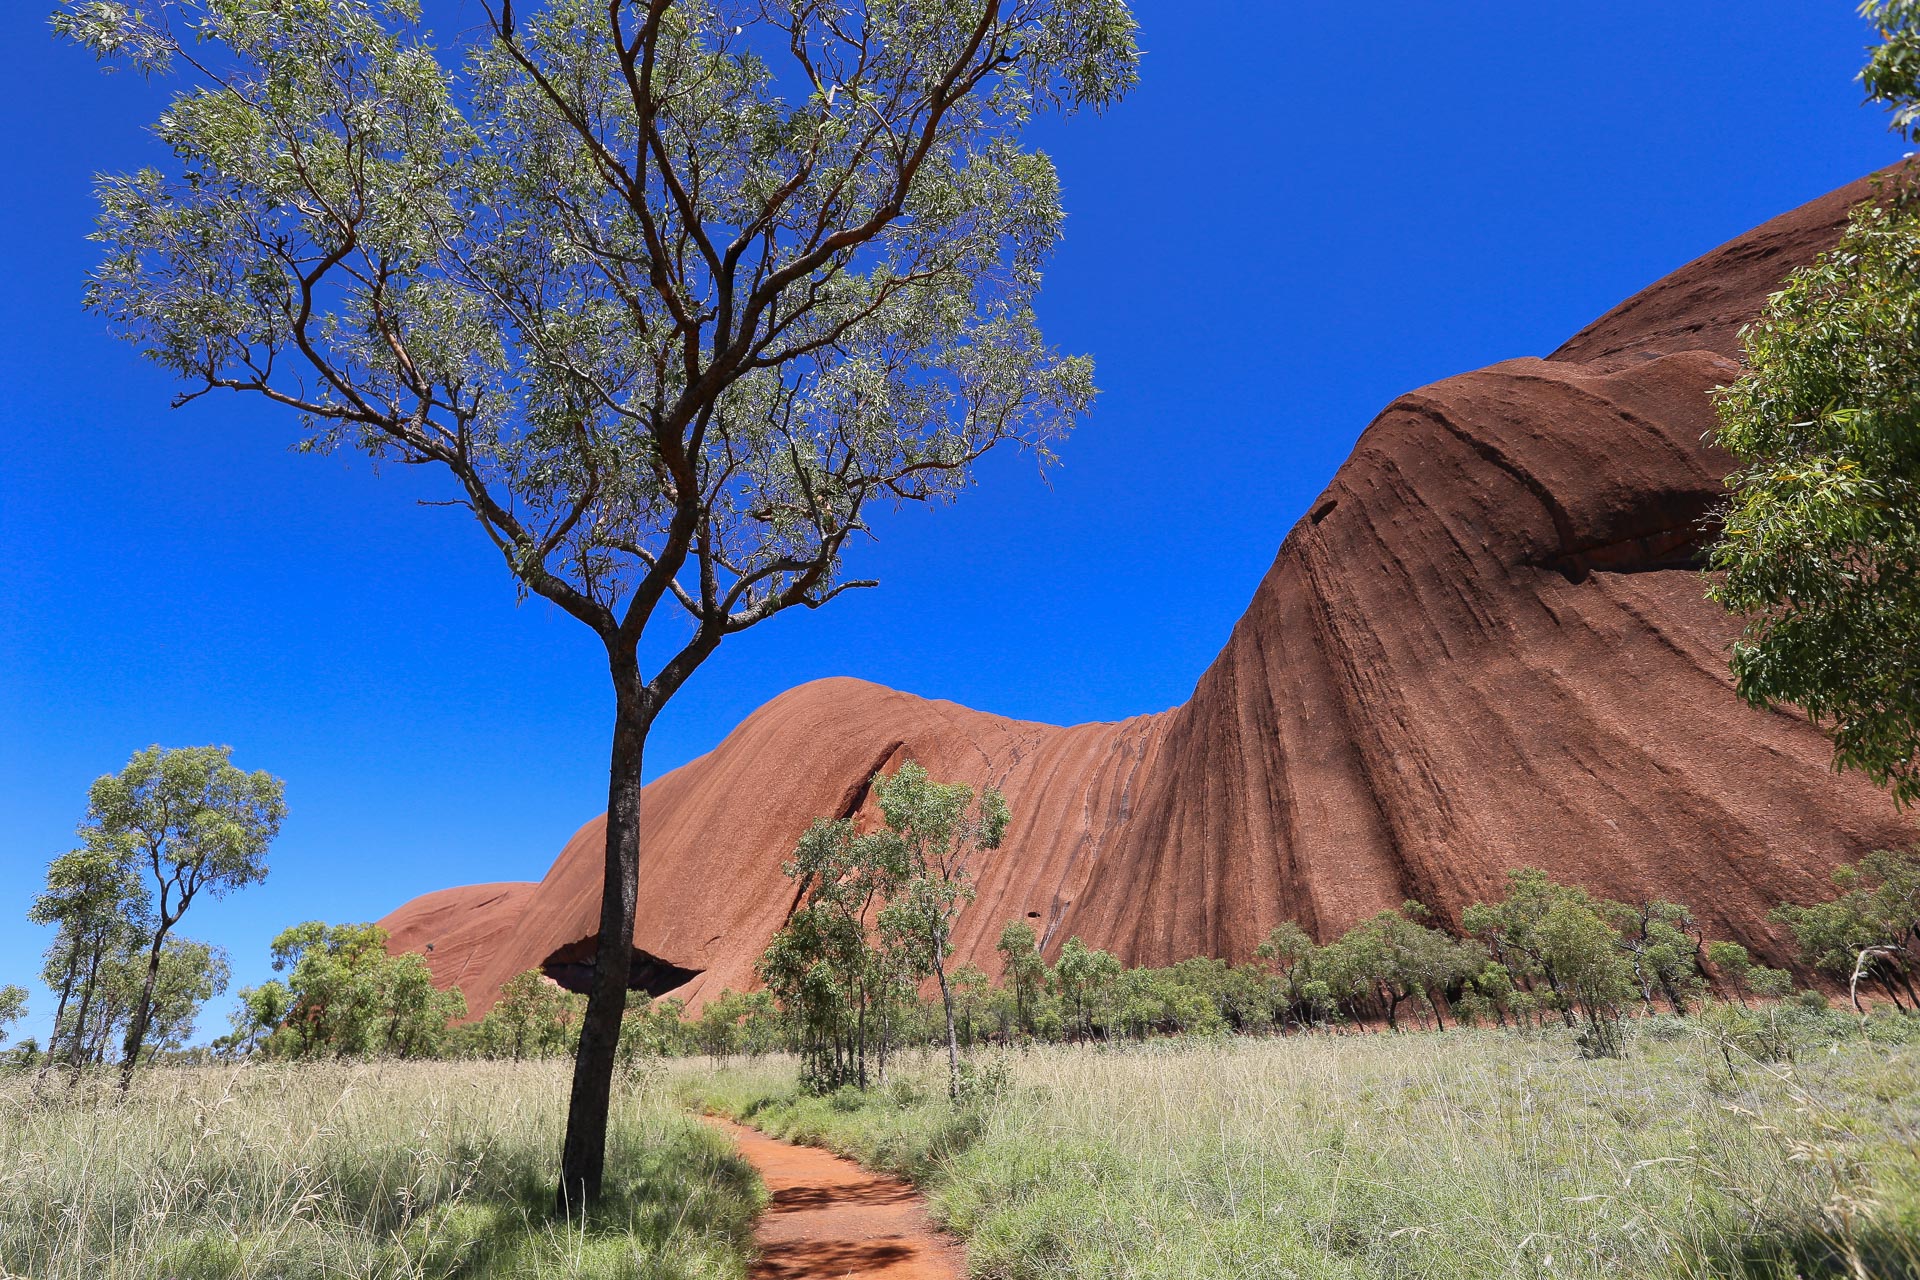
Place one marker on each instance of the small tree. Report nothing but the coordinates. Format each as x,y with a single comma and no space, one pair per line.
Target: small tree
937,829
669,291
189,974
195,824
417,1013
1393,958
971,992
1594,975
258,1014
1510,929
345,995
1488,990
719,1031
1085,978
1663,943
1023,969
1302,970
530,1017
1871,932
822,965
1743,977
96,901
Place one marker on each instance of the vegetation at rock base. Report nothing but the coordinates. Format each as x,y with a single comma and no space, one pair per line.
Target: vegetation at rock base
1871,931
875,919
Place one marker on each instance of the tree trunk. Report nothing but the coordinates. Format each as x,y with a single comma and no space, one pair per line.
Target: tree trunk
143,1009
60,1011
79,1037
583,1158
946,1002
860,1039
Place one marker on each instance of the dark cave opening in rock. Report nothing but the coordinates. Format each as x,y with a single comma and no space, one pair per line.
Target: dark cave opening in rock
572,967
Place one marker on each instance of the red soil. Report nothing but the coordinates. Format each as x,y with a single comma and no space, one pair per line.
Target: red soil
1483,648
831,1218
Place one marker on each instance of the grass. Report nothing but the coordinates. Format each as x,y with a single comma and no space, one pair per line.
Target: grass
1456,1154
391,1171
1448,1155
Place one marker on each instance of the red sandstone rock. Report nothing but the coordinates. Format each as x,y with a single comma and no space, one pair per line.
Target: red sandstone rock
1483,648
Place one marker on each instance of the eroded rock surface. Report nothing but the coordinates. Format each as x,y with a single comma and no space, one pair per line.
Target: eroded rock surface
1484,647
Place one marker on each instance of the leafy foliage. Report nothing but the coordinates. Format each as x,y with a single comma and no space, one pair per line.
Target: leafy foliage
1871,931
1820,544
197,825
670,291
13,1006
346,997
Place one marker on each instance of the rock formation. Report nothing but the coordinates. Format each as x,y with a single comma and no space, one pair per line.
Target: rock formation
1484,647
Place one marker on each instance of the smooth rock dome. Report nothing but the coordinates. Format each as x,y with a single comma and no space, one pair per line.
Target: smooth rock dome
1484,647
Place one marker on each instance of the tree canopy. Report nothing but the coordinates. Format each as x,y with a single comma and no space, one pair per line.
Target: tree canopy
665,291
1820,547
195,824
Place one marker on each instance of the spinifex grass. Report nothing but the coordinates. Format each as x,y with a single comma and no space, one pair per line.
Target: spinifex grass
1461,1154
383,1170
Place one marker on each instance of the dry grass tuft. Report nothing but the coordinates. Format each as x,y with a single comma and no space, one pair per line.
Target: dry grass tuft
1463,1154
383,1170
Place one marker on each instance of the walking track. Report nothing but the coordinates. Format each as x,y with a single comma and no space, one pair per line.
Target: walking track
830,1218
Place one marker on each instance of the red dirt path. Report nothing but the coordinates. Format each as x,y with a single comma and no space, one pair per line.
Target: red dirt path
830,1218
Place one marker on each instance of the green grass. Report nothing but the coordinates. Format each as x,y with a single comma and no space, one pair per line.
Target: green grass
401,1171
1457,1154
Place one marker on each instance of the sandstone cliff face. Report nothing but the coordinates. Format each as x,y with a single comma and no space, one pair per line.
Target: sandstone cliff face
1484,647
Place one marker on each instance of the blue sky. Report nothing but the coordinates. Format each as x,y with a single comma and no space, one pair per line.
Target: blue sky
1303,211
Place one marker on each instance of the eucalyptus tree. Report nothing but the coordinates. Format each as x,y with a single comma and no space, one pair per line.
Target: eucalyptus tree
1820,535
668,291
1023,969
196,824
95,900
824,966
937,829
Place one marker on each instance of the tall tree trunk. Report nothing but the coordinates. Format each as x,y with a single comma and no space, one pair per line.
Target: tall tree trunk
60,1011
583,1158
860,1038
79,1037
946,1001
143,1007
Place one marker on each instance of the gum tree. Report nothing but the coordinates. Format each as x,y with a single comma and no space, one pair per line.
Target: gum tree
666,291
1820,538
95,900
13,1006
196,825
1023,969
934,829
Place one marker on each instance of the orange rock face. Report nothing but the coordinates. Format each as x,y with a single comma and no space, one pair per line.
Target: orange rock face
1484,647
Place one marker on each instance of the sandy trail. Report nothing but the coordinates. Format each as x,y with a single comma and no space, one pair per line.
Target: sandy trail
830,1218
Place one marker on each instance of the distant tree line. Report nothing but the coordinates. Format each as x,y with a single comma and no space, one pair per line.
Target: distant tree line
864,968
1543,954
